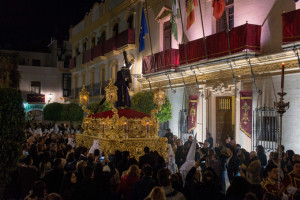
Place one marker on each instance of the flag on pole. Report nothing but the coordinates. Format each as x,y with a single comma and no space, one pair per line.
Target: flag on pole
219,7
190,4
143,32
175,15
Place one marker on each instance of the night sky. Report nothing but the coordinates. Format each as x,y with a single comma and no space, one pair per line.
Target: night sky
30,24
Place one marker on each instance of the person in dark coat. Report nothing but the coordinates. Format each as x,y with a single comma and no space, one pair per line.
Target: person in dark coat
232,164
69,186
210,140
179,155
143,187
54,177
28,174
260,150
146,158
88,189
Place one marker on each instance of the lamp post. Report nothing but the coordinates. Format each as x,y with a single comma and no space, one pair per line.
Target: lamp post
50,97
281,107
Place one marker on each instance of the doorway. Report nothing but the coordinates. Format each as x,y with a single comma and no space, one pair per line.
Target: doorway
225,119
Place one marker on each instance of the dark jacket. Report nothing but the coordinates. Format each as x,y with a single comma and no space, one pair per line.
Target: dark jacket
146,158
53,180
232,167
142,188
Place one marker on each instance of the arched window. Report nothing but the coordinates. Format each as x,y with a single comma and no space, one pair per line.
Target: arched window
84,47
102,38
115,30
93,42
130,22
77,51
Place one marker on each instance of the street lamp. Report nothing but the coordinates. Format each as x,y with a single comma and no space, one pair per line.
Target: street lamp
50,97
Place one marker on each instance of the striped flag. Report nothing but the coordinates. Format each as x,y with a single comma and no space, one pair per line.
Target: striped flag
175,15
190,4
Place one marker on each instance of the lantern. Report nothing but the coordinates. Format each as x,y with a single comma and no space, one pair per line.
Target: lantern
84,97
111,94
159,97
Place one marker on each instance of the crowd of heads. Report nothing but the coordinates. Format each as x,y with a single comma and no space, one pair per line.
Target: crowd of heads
54,167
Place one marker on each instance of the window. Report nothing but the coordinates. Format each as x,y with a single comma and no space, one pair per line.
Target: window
84,47
116,30
66,84
227,19
77,51
36,62
114,71
130,22
93,42
102,38
92,80
35,87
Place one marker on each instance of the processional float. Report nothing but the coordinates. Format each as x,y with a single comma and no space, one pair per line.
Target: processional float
122,129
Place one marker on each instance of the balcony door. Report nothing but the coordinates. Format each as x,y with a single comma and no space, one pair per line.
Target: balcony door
167,35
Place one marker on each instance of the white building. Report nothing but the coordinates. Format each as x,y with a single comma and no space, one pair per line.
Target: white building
45,77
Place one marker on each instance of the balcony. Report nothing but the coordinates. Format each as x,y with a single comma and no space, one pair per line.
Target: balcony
126,37
291,27
87,56
98,50
72,63
164,60
35,98
242,38
111,44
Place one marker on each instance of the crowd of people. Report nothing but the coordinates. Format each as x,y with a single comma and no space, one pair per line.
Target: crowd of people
54,167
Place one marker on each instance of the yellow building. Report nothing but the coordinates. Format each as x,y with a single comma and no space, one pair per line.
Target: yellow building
257,39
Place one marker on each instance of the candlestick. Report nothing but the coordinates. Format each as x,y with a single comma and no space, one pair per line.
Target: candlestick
282,77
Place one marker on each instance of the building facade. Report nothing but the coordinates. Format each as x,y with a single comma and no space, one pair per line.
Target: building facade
45,77
207,61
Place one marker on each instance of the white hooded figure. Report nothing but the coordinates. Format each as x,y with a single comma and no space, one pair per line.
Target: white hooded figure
56,129
190,159
39,130
72,142
171,165
95,146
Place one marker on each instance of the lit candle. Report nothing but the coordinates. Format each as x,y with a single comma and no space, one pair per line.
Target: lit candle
147,128
282,77
103,128
125,124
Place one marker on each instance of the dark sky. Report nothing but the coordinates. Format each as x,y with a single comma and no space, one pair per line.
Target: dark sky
29,24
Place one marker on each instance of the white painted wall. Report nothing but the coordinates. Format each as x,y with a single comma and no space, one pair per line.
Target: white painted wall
50,78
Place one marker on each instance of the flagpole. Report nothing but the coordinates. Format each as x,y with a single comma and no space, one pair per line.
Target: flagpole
186,59
204,37
149,35
227,31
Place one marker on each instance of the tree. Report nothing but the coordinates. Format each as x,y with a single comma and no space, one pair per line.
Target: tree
12,123
53,112
72,112
9,74
143,102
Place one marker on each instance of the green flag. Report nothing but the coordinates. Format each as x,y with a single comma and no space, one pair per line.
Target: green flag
173,20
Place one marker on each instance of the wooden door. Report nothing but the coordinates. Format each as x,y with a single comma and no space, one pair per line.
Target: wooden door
224,115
